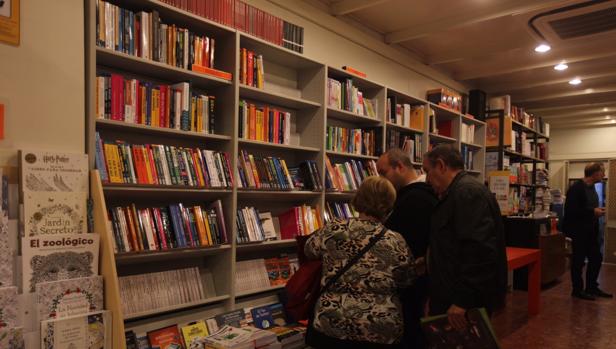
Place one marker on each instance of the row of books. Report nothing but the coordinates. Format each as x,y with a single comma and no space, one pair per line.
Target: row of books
255,226
143,34
141,102
467,133
251,69
264,123
237,329
157,164
306,176
363,141
347,176
468,156
411,143
249,19
542,150
338,210
257,274
345,96
300,220
163,228
522,144
163,289
405,114
249,225
272,173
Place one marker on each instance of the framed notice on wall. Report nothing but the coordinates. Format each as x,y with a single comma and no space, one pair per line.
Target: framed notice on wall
9,21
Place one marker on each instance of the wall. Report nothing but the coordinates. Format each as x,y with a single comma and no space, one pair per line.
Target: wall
583,143
42,80
337,43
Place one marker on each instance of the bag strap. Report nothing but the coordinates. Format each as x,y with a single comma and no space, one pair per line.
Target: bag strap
373,240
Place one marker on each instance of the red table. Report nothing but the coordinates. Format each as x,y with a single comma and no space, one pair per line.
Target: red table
519,257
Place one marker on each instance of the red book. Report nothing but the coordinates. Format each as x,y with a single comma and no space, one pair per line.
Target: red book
164,106
152,164
214,72
117,97
158,222
444,128
276,126
250,66
265,130
289,224
137,98
166,338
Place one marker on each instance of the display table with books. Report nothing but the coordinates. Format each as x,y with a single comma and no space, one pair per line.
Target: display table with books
521,257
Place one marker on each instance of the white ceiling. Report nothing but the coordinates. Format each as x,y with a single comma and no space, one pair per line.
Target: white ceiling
489,44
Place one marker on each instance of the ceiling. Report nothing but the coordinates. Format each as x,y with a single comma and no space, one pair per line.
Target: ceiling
489,44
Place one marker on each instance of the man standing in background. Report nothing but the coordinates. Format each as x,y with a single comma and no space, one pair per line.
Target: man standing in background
410,217
582,214
467,262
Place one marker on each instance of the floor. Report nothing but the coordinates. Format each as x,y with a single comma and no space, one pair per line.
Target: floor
564,322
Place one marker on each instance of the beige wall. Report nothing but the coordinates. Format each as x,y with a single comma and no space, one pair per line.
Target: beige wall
42,80
583,143
337,43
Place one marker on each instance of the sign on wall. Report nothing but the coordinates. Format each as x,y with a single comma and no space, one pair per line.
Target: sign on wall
9,21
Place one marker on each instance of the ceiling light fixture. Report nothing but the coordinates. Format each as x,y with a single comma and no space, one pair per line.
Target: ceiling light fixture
607,117
613,121
561,66
543,48
575,81
605,109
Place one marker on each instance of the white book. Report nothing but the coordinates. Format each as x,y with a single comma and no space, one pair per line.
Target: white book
287,128
211,167
267,223
49,213
58,257
162,156
65,298
51,171
8,307
222,178
88,331
131,169
145,219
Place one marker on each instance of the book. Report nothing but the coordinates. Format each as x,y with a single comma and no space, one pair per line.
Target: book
65,298
229,337
194,334
7,261
267,223
8,307
479,333
262,317
49,171
165,338
235,318
87,331
58,257
12,338
55,213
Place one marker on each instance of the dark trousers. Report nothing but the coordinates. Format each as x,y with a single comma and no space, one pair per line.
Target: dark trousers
585,246
413,304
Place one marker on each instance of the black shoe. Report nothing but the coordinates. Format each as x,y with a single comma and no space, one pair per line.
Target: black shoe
582,295
597,292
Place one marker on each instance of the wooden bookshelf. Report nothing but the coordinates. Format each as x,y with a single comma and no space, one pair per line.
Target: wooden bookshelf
292,81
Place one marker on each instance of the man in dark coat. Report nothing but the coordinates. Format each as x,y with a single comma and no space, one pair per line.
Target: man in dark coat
467,261
415,201
582,214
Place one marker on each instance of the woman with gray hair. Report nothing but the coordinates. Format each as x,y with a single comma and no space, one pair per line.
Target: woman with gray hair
361,308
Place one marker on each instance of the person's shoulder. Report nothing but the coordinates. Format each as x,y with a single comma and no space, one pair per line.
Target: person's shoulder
468,186
421,190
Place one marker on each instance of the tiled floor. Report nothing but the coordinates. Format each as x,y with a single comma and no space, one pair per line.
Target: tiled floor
564,322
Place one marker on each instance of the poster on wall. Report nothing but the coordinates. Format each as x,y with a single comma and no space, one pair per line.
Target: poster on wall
499,186
9,21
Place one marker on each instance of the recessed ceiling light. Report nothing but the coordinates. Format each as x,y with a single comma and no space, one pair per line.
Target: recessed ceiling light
542,48
613,121
605,109
561,66
575,81
608,117
589,90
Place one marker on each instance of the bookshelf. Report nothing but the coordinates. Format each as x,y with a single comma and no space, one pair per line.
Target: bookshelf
293,83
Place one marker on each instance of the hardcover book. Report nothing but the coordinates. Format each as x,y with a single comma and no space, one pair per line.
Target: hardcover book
194,334
8,307
48,171
87,331
165,338
55,213
478,334
64,298
58,257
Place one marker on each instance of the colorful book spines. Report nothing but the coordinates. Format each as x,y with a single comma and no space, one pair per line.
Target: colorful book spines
157,164
263,172
264,123
251,71
354,141
163,228
348,176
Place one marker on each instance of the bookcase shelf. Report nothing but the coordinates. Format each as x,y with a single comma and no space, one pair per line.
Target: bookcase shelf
348,116
403,128
292,81
279,99
134,64
260,290
126,258
441,139
265,245
472,145
475,172
158,131
522,127
162,311
244,143
349,155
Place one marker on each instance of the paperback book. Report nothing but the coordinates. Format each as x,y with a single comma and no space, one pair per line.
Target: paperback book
87,331
64,298
166,338
58,257
8,307
47,213
194,334
50,171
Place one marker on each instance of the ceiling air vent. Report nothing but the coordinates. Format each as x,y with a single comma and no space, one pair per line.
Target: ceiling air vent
585,24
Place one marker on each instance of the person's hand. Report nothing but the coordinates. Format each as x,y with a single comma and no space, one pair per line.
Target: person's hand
457,317
599,211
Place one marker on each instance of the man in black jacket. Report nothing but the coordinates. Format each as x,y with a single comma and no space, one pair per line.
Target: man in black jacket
467,261
410,217
582,214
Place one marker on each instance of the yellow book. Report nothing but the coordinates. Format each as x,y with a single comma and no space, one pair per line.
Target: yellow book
144,113
285,170
194,332
254,171
148,169
193,113
201,226
199,114
115,176
259,131
155,107
208,231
